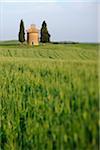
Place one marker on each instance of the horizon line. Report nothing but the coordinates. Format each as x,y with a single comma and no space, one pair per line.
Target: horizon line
78,42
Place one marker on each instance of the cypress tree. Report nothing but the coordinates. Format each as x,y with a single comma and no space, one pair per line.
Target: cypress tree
21,35
44,34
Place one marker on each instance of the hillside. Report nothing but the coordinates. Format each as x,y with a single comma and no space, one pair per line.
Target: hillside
50,51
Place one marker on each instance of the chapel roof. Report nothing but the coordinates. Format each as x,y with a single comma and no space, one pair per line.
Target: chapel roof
33,29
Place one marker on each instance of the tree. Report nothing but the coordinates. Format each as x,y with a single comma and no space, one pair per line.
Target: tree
44,34
21,35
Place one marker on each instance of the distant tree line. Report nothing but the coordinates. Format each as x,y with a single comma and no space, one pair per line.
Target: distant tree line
44,34
65,42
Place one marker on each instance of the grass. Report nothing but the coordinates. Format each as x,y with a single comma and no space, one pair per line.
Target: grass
49,97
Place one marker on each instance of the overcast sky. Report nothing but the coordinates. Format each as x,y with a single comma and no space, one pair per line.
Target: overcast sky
74,20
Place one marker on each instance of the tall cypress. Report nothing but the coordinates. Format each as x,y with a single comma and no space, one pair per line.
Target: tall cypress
21,35
44,34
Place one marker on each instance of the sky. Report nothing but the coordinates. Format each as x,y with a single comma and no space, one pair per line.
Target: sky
74,20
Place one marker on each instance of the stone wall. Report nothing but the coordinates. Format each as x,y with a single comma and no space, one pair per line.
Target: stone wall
33,35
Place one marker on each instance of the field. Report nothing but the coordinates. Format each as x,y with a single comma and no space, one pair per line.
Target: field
49,97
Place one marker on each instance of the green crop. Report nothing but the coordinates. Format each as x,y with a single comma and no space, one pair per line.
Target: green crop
49,97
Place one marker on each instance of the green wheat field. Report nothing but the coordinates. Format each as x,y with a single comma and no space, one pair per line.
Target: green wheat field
49,97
